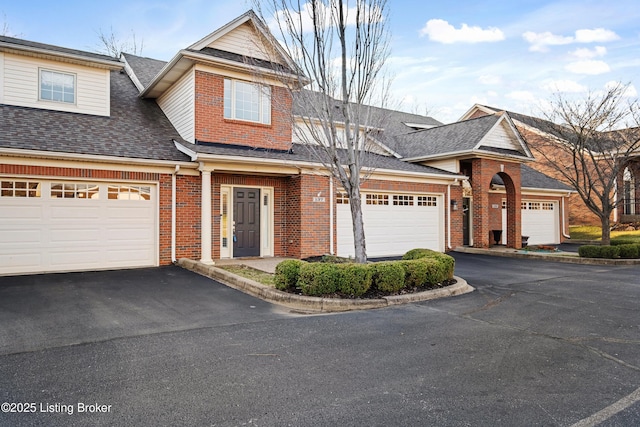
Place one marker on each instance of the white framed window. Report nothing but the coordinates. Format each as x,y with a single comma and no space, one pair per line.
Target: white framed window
29,189
57,87
547,206
377,199
129,192
534,206
71,190
342,199
427,201
399,200
247,101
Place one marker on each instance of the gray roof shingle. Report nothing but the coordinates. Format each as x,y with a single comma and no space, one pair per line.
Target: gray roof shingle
531,178
302,153
145,69
137,128
57,49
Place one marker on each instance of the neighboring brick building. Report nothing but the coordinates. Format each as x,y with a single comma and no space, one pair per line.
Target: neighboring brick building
109,163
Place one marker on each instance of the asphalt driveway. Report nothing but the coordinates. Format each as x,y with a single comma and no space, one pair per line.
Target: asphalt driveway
537,344
49,310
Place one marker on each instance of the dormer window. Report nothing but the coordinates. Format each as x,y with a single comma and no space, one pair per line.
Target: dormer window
57,87
247,101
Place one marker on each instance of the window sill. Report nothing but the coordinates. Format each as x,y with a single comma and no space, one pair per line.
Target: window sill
247,123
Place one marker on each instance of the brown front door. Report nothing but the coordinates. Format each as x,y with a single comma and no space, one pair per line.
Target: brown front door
246,218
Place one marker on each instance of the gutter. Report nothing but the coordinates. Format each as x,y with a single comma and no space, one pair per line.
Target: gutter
173,214
113,65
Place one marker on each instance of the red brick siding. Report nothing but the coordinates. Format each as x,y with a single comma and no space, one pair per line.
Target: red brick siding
211,126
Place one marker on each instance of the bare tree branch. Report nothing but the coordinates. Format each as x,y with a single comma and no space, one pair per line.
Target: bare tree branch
589,143
339,48
113,45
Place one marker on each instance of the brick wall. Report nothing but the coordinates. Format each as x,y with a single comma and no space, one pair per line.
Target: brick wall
211,126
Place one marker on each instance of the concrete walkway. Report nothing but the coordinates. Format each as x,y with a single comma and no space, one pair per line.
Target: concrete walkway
268,265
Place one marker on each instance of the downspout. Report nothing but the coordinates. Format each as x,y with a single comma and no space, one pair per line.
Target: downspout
615,195
173,214
449,215
331,237
564,222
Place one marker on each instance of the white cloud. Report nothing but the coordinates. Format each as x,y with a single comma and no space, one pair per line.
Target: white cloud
521,95
586,53
441,31
540,41
630,91
490,79
563,86
590,67
597,35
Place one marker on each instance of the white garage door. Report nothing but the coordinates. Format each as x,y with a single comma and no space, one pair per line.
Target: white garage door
540,221
393,223
54,225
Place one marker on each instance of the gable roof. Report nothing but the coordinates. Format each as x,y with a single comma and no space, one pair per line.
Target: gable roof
204,52
533,179
467,137
136,129
12,44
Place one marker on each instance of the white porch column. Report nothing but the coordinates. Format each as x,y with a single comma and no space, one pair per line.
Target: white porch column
205,216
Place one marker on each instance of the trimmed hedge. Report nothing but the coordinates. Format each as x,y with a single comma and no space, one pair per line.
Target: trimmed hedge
287,273
419,268
628,251
388,276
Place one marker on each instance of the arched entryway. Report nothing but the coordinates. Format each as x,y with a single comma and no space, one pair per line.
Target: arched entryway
483,173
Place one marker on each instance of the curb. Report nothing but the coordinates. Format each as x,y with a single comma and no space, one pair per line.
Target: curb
317,304
551,258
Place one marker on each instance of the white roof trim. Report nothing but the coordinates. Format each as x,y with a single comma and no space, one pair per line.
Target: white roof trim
505,116
131,74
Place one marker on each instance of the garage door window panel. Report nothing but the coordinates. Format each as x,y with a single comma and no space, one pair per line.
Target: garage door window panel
129,192
89,191
28,189
399,200
427,201
377,199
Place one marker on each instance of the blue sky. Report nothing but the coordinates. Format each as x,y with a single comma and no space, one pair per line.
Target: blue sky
445,56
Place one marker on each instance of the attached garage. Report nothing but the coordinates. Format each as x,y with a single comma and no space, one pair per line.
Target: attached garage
57,225
393,223
540,221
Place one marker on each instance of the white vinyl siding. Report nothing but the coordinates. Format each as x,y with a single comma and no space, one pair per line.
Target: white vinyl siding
451,165
178,103
501,137
21,85
243,41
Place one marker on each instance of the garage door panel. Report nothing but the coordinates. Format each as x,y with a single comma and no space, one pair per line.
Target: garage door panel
392,229
44,234
540,222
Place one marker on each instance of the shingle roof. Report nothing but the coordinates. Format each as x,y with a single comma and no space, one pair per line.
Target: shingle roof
303,153
58,49
531,178
241,59
137,128
451,138
145,69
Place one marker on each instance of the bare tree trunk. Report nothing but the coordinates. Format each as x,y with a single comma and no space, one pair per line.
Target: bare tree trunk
606,230
358,226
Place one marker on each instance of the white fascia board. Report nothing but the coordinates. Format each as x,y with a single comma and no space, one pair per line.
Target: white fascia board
83,60
54,155
534,191
192,154
475,107
131,74
211,37
468,154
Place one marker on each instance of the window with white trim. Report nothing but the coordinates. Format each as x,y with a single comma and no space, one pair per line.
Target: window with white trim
58,87
534,206
73,190
29,189
377,199
342,199
400,200
129,192
523,206
547,206
427,201
247,101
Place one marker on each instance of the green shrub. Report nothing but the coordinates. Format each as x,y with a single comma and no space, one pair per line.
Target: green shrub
610,252
447,261
415,272
318,278
589,251
388,276
287,272
354,279
439,271
623,240
629,251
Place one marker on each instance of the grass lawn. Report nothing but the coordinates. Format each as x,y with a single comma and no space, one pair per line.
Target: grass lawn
592,232
250,273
